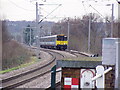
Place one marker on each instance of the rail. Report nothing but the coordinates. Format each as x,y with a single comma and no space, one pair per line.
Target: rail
24,77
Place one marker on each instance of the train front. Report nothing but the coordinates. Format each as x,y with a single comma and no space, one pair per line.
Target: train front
61,42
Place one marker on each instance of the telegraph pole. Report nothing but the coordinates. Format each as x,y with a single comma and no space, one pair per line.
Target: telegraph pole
68,32
37,20
89,33
37,30
112,20
30,36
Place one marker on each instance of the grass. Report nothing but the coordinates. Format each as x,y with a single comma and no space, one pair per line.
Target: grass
33,60
85,59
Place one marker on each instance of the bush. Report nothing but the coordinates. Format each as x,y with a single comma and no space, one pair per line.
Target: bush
13,53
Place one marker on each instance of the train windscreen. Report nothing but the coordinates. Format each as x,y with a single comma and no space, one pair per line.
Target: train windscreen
61,38
65,38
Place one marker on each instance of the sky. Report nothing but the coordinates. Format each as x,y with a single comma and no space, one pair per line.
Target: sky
26,9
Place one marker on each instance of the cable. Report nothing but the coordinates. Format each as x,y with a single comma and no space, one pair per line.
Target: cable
46,12
84,6
98,12
29,2
19,6
118,1
49,13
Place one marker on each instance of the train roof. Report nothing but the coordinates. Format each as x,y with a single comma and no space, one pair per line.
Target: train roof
49,36
53,36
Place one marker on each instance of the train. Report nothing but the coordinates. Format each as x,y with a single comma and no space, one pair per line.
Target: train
58,42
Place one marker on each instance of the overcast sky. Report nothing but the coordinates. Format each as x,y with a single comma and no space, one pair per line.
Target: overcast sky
26,9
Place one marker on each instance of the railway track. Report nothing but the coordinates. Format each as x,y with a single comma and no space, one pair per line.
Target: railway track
24,77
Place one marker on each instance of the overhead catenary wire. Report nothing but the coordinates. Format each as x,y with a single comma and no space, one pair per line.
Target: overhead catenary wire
84,6
29,2
98,12
35,1
49,13
19,6
52,16
118,1
38,0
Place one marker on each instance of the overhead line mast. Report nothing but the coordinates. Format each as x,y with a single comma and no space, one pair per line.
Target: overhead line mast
37,30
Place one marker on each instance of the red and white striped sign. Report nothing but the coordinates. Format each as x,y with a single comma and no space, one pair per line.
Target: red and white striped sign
71,83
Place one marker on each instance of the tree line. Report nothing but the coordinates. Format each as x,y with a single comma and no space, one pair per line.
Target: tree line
79,28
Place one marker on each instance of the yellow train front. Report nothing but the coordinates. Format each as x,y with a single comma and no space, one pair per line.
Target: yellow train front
58,42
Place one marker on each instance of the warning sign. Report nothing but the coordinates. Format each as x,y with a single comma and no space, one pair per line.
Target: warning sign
71,83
